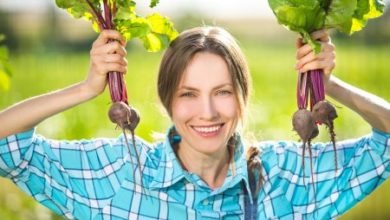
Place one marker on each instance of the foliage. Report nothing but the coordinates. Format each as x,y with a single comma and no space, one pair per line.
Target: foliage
306,16
5,68
155,31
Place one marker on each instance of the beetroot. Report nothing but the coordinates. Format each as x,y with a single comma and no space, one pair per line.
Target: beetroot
304,125
310,88
307,129
124,116
324,113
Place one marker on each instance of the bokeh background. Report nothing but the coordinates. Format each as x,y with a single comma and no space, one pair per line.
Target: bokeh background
49,50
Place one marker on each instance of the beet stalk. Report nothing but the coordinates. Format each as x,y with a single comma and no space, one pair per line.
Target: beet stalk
310,87
120,113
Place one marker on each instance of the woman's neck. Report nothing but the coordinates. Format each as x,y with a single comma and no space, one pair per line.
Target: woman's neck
210,168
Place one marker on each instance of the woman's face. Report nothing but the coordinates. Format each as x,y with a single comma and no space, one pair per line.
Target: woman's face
205,108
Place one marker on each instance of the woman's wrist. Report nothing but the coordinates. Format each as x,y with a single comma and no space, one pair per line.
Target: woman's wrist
329,84
88,91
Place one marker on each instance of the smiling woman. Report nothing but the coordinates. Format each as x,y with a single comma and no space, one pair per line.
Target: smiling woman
201,170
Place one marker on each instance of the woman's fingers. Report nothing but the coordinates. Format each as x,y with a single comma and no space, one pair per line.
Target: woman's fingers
109,63
307,59
107,35
113,47
321,35
115,58
326,65
303,51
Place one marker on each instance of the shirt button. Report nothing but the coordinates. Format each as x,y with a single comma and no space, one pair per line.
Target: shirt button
205,202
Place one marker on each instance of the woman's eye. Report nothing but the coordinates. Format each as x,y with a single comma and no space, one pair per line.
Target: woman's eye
187,94
224,92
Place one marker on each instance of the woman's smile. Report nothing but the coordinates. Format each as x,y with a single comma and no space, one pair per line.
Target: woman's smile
208,131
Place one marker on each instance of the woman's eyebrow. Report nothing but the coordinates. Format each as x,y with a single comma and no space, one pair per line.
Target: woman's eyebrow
195,89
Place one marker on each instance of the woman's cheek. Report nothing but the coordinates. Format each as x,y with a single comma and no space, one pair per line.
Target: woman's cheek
184,109
228,107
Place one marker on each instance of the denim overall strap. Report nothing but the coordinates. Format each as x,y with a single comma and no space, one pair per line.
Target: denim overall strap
250,209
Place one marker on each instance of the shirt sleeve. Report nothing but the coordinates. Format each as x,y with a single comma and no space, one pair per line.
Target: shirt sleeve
72,178
362,165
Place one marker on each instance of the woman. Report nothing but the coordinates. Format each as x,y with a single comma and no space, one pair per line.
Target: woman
200,170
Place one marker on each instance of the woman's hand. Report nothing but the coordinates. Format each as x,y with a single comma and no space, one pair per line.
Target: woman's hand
105,57
308,60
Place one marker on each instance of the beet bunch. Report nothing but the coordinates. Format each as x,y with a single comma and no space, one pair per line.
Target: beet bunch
311,91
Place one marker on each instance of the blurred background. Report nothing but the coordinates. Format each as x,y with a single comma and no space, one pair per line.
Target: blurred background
49,50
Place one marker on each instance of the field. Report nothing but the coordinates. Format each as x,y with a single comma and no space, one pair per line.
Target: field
272,104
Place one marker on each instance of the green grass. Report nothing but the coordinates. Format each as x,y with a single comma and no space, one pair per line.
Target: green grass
272,104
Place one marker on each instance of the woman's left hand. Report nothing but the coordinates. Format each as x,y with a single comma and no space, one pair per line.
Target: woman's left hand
308,60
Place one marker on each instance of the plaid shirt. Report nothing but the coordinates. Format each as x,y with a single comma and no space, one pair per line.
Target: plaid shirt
93,179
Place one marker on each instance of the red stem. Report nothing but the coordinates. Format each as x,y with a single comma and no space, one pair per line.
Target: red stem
116,82
100,19
107,14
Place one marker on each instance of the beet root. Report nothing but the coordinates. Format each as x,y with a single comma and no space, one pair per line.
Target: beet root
324,112
124,116
304,125
307,129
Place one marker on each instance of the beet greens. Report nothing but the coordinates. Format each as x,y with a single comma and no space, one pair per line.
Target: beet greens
305,17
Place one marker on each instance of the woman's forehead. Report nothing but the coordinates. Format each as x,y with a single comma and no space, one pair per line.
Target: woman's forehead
206,69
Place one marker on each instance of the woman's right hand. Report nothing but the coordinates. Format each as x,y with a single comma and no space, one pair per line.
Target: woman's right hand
105,57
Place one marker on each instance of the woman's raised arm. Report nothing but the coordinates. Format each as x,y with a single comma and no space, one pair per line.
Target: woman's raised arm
105,57
375,110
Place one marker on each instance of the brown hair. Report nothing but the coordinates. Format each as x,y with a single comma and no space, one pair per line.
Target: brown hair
204,39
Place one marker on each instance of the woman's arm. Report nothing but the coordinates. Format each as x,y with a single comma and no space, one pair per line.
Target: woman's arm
373,109
105,57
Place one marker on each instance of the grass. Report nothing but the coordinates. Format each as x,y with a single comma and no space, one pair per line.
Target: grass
272,104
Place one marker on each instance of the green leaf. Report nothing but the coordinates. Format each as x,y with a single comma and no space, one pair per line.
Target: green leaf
125,13
133,28
154,30
153,3
301,18
340,15
65,4
306,16
162,25
80,8
4,81
366,9
155,42
125,3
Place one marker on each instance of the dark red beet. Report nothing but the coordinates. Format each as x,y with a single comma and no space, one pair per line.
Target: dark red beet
324,112
307,129
124,116
304,125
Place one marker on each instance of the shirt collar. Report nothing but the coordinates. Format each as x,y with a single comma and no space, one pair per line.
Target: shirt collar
170,171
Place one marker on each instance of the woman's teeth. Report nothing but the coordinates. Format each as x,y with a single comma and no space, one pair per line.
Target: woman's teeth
208,129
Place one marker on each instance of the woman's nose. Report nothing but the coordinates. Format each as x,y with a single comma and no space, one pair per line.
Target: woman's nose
208,109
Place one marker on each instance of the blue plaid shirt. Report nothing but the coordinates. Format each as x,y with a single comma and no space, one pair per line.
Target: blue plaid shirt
93,179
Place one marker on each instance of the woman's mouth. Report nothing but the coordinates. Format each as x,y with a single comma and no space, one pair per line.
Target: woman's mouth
208,131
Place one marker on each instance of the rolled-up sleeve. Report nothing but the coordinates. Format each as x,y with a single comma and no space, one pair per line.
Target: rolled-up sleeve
72,178
15,152
362,165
